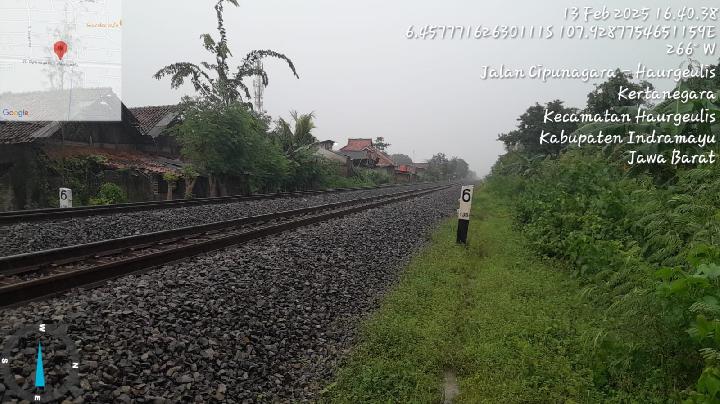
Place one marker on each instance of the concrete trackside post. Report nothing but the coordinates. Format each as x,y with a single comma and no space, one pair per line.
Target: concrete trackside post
65,197
464,213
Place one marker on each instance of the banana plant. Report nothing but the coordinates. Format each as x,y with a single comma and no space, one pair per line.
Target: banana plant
214,81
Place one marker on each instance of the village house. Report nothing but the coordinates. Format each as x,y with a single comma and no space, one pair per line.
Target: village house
324,149
37,158
420,168
364,154
405,173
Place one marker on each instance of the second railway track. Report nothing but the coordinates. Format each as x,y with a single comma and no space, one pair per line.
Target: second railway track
34,275
36,215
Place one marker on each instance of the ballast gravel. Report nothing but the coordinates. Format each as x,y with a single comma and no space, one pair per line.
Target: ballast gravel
267,321
36,236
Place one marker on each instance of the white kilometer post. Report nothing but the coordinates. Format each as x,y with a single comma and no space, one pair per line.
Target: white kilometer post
464,213
65,198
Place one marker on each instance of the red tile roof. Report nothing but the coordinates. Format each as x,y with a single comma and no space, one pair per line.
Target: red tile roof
405,168
358,149
357,145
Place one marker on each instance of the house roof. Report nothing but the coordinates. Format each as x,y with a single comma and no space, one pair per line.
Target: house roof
26,132
119,159
19,132
331,155
152,120
357,145
86,104
363,149
405,168
383,159
79,104
355,155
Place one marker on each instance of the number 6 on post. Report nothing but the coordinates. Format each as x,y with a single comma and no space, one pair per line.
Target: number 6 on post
464,213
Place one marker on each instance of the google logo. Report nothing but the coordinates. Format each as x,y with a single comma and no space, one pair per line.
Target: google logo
18,114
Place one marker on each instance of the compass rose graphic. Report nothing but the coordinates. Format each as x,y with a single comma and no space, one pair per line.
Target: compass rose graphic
40,363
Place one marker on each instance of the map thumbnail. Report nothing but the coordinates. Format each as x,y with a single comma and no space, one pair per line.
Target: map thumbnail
56,55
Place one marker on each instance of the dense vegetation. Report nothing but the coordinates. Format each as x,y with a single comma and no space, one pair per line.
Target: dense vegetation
642,238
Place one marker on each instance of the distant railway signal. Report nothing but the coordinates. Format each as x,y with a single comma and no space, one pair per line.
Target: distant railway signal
464,213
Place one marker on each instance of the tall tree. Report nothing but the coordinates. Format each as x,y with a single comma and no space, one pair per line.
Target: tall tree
531,125
230,142
380,144
442,168
214,82
438,166
401,159
457,168
605,96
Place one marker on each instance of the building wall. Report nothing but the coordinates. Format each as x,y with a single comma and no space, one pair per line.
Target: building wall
100,134
23,178
164,145
27,182
137,185
7,196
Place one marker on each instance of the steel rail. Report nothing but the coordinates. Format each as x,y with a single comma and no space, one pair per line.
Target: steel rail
34,215
176,245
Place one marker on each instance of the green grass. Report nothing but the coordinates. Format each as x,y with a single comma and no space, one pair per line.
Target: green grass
513,327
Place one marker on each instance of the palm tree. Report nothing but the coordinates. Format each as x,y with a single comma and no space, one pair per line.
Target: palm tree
291,140
214,82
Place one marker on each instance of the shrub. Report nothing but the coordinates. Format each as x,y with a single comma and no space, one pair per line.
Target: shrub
109,193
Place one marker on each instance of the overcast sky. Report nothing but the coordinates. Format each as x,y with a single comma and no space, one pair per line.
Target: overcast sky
363,78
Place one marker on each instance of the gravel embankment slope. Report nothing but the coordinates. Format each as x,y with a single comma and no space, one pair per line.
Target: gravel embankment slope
266,321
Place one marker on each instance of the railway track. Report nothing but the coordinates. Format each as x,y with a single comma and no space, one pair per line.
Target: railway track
35,215
30,276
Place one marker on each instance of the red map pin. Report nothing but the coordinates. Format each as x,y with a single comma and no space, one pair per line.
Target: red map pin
61,49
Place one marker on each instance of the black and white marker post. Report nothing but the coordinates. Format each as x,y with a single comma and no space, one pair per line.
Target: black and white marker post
65,198
464,213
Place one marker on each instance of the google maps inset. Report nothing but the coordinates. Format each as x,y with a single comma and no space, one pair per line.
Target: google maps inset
60,60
